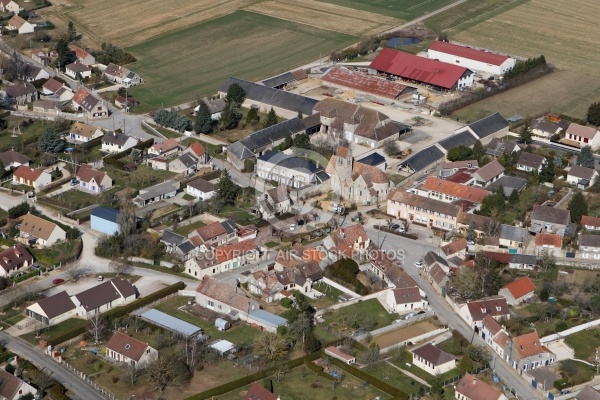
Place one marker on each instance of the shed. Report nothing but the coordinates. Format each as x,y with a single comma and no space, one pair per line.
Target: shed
222,324
223,347
171,323
266,320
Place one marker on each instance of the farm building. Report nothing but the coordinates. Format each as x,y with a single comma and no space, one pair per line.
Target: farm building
152,194
439,75
170,323
105,220
347,79
423,160
487,128
468,57
281,81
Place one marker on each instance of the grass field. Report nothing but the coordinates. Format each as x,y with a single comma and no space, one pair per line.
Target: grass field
403,9
584,343
242,44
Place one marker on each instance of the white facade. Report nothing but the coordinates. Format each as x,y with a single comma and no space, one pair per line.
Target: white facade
199,194
472,64
35,308
433,369
114,148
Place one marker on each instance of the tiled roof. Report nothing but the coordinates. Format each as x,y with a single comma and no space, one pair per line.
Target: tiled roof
468,52
586,220
201,185
104,293
460,164
126,345
437,274
581,172
25,172
211,231
165,146
78,67
455,246
56,304
197,149
84,99
52,85
587,132
475,389
9,384
433,354
520,287
480,222
115,138
16,21
528,345
230,251
116,70
491,325
530,160
258,392
589,241
224,293
407,295
494,306
548,239
464,192
37,227
278,194
424,203
551,215
496,147
431,258
588,393
86,173
365,83
11,156
490,170
11,257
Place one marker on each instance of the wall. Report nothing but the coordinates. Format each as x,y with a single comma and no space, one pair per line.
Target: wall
416,339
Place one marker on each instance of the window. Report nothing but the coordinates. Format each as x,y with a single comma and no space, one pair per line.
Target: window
210,304
127,346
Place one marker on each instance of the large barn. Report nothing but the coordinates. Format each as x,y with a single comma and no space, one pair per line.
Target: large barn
439,75
468,57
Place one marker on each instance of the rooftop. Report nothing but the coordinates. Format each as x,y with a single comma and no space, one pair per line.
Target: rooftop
470,193
366,83
468,52
520,287
434,354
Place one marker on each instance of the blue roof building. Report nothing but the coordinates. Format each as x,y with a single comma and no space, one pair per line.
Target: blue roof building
105,220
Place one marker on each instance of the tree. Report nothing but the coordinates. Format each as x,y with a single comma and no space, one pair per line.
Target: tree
391,148
478,353
167,371
460,153
513,199
41,380
271,119
471,231
71,32
466,364
235,94
478,151
127,219
300,116
467,284
203,123
578,207
547,172
252,117
271,346
120,267
14,67
492,202
76,270
372,355
544,295
526,134
229,117
302,141
97,326
547,259
65,55
311,344
593,114
585,158
134,372
301,327
51,141
193,351
227,191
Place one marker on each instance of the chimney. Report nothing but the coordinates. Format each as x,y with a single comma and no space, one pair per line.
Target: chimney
474,380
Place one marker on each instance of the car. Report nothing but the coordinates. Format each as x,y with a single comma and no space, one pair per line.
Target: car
470,242
402,229
551,193
421,312
58,280
36,266
565,391
292,227
394,226
100,278
419,263
301,222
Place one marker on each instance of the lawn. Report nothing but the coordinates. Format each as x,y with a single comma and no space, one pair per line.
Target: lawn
144,176
331,295
403,9
239,215
29,134
368,314
56,254
75,199
169,134
584,343
184,230
392,376
55,330
223,47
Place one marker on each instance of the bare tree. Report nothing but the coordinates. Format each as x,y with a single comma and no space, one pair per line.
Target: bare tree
120,267
134,372
76,270
41,380
167,371
193,351
127,219
271,346
97,326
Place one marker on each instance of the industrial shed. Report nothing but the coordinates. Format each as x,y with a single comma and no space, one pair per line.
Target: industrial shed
422,159
170,323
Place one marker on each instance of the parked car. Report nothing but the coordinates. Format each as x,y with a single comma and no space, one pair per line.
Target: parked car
419,263
402,229
471,242
74,182
57,281
100,278
292,227
394,227
36,266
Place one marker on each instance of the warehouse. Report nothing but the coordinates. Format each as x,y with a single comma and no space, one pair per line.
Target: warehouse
478,60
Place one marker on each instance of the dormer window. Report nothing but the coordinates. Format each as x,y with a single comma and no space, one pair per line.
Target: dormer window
498,308
127,346
483,310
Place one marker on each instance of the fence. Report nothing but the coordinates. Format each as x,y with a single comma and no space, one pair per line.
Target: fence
340,287
570,331
90,382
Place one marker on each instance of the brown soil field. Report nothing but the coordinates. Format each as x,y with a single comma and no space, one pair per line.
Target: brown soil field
327,16
402,334
565,33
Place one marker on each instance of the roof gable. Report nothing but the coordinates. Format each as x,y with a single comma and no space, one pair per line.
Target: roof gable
468,52
520,287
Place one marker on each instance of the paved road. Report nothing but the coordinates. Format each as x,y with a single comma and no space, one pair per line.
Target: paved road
57,371
413,251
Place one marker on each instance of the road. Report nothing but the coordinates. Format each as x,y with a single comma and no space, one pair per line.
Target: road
57,371
414,251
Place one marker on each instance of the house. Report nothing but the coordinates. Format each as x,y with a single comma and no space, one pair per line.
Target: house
216,233
549,242
518,291
423,160
12,159
471,388
115,142
81,132
200,189
547,129
275,201
93,180
197,150
43,57
588,393
77,70
123,348
339,354
208,261
152,194
52,86
474,312
468,57
581,177
47,106
456,248
115,73
483,226
494,334
35,177
14,258
583,135
526,352
22,93
515,261
497,147
487,128
403,300
374,159
587,222
53,309
224,299
105,220
351,241
530,162
447,191
422,210
126,103
258,392
9,6
390,271
549,220
83,57
438,278
42,231
275,284
450,168
17,23
169,146
13,387
589,246
509,184
287,170
512,236
104,297
357,182
215,106
440,75
32,73
344,78
93,107
177,245
488,174
432,359
356,123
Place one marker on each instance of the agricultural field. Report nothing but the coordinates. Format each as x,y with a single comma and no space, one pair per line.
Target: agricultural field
223,47
402,9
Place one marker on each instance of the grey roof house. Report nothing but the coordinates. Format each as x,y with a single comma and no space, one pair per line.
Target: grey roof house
22,93
512,236
487,128
289,170
549,220
156,193
497,147
508,183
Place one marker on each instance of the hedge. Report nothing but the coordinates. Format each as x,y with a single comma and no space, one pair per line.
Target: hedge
78,330
5,356
24,277
397,393
318,370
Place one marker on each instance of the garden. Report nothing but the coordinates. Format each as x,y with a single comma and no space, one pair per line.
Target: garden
364,315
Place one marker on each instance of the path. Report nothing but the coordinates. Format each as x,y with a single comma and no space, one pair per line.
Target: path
410,374
424,17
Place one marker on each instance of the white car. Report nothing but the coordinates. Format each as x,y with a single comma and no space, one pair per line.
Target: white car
402,229
419,263
292,227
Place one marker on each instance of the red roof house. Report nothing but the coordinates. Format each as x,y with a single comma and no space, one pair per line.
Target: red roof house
518,290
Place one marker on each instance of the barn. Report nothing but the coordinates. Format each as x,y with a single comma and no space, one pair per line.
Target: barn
468,57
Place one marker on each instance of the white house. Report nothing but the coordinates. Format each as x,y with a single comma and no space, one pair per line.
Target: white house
583,135
34,177
9,6
77,70
588,222
169,146
494,334
344,357
12,387
517,291
103,297
468,57
403,300
275,201
93,180
223,258
582,177
488,174
123,348
432,359
114,142
474,312
53,309
40,230
200,189
81,132
288,170
530,162
17,23
589,246
12,159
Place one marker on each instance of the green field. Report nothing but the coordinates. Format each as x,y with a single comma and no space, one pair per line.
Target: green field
195,61
403,9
